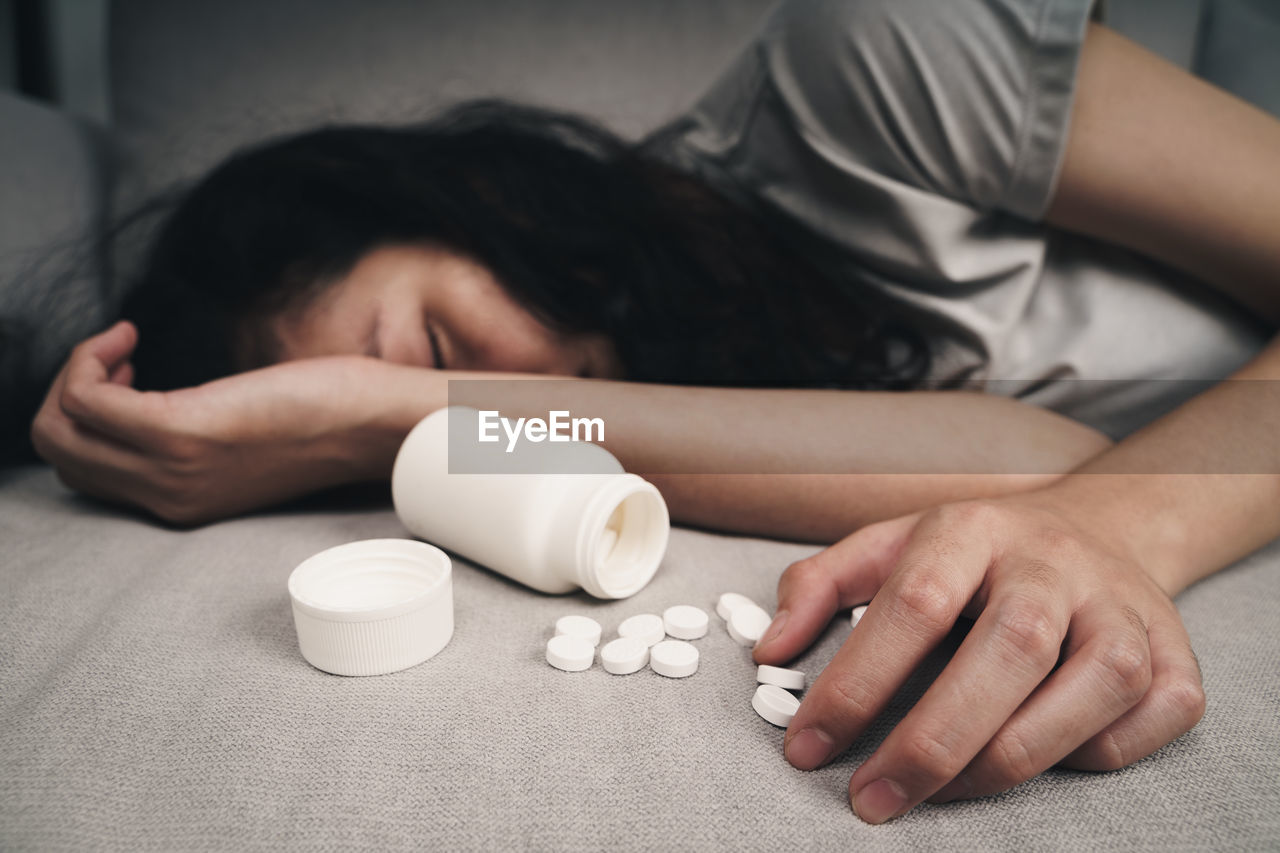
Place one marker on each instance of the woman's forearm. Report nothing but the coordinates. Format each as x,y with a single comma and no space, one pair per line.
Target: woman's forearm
799,464
1197,489
821,508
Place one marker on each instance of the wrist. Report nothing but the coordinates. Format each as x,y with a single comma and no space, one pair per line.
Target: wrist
391,399
1128,516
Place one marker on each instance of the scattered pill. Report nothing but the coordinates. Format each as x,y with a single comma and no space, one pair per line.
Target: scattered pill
775,704
674,658
572,654
747,624
730,602
856,615
582,627
646,627
624,655
685,622
787,679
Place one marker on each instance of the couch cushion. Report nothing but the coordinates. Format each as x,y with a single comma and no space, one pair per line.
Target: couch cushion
50,284
152,696
1239,50
192,80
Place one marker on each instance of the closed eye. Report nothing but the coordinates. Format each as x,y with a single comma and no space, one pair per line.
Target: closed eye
437,359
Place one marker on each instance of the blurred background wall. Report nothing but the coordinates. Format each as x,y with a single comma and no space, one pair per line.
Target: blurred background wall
55,51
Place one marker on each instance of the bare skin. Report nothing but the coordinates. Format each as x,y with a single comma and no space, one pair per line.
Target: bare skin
1083,568
1079,563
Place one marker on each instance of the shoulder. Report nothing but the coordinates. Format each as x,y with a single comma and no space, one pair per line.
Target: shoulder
946,97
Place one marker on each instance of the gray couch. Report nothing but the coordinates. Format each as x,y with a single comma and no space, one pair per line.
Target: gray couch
151,692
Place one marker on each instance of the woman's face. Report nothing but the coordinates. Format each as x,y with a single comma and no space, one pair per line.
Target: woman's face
430,308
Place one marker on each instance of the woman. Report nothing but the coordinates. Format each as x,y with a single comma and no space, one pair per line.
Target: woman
898,165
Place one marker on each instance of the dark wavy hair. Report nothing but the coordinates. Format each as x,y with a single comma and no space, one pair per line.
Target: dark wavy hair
588,232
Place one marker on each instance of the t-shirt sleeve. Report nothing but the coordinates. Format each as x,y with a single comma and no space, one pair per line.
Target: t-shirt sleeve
969,99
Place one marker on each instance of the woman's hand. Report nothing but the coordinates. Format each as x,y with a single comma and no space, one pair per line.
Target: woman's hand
232,445
1077,656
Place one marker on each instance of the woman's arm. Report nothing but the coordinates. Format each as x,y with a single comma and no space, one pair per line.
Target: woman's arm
1077,655
799,464
247,441
1162,162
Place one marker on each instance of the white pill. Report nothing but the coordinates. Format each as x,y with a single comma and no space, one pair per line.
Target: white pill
582,627
674,658
730,602
787,679
624,655
856,616
646,627
775,704
747,624
572,654
685,622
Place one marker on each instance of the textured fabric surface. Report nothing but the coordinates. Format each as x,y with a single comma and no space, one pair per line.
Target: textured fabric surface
922,139
152,697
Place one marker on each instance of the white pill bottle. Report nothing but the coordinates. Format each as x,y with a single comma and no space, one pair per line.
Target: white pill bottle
598,528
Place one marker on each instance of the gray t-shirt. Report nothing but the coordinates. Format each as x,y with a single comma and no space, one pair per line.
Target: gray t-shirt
924,140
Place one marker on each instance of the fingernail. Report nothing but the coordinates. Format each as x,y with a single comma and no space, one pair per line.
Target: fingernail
880,800
775,628
808,749
953,790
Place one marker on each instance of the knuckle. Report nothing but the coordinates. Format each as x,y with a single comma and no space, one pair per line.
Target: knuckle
855,698
1063,548
1187,698
1041,574
1134,618
175,510
802,572
925,599
1057,541
1108,752
1012,761
1028,631
1126,665
72,400
805,576
925,754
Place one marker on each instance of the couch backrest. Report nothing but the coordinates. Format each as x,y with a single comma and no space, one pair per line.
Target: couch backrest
193,79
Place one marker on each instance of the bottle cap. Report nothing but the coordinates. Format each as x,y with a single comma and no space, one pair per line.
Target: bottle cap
372,607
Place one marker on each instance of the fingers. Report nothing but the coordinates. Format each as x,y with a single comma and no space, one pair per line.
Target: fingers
87,460
1107,672
94,358
1171,706
95,389
938,571
122,374
1011,648
1000,713
812,590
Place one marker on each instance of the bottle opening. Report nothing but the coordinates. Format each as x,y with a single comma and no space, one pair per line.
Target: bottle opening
631,544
